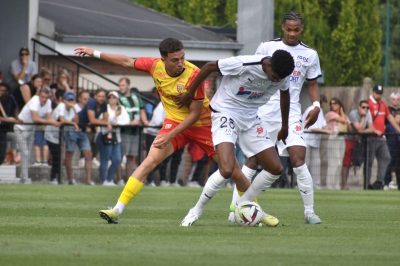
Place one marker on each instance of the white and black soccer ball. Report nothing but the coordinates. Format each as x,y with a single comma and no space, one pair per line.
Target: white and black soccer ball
248,213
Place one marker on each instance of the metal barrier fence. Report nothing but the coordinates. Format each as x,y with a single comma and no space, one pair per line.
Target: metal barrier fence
331,159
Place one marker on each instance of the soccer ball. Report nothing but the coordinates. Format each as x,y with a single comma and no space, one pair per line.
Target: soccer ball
248,213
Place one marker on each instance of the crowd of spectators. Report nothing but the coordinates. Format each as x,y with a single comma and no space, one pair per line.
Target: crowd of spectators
115,127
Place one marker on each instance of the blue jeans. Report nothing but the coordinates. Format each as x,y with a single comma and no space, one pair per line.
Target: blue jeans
108,152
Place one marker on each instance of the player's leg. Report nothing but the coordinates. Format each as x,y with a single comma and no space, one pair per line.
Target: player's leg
304,182
136,181
224,142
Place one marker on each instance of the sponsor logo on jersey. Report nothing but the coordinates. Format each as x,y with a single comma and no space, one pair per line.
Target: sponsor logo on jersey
168,126
251,94
302,58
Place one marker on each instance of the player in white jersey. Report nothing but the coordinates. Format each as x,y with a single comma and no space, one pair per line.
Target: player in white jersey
307,67
248,82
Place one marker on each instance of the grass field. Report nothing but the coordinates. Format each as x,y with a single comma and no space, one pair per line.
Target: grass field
59,225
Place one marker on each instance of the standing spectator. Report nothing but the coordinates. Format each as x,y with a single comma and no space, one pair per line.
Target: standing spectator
336,122
361,123
393,142
157,119
78,138
22,69
28,90
37,110
66,115
8,114
137,116
312,138
377,146
109,141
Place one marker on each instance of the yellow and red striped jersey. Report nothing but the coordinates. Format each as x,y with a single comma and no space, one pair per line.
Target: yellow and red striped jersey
170,87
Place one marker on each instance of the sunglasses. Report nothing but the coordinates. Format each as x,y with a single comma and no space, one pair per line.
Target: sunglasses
22,54
365,107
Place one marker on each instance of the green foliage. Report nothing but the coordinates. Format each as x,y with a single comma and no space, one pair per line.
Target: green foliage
200,12
59,225
345,33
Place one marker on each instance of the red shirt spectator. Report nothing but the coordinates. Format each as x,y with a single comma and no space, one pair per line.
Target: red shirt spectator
379,110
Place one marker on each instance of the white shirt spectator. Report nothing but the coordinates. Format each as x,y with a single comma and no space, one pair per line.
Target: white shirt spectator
33,105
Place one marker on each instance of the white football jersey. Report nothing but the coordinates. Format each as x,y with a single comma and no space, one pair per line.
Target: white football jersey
244,88
306,66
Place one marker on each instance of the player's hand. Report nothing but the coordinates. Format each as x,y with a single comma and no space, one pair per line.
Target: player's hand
161,141
184,99
312,117
83,51
282,134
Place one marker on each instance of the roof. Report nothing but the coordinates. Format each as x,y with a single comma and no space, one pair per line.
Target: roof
120,22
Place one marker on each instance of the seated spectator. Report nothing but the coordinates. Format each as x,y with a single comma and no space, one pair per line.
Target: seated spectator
336,122
46,76
61,86
8,114
361,123
37,110
22,69
28,90
109,141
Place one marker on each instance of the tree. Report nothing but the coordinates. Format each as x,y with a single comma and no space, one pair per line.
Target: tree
345,33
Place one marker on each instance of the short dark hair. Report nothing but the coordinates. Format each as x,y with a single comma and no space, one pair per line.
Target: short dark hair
362,101
282,63
127,80
24,49
292,15
100,90
170,45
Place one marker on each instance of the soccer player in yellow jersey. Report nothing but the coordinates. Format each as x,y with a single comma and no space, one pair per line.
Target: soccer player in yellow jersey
172,75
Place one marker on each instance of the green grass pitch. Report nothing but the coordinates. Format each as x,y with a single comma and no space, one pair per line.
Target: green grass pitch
59,225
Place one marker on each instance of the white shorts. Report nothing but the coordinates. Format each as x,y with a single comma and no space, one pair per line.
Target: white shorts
295,136
251,140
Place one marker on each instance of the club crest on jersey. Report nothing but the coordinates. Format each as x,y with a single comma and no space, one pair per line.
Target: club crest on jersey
259,130
297,129
180,87
298,64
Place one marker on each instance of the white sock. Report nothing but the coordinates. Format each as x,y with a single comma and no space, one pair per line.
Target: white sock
119,207
305,185
260,183
212,186
248,173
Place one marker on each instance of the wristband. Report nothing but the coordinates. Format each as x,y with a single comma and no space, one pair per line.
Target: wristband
96,54
316,104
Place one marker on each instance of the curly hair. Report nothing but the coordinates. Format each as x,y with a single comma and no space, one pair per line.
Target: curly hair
282,63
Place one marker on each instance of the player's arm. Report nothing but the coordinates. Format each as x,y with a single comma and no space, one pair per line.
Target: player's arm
117,59
313,92
285,103
195,109
186,98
